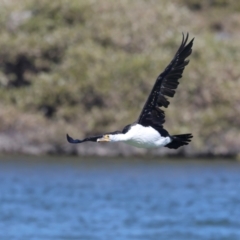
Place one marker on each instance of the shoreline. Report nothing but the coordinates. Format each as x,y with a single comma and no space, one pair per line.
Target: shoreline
20,144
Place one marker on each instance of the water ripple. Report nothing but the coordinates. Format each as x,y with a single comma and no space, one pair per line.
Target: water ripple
103,200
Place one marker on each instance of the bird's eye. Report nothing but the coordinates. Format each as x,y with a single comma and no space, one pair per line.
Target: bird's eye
107,136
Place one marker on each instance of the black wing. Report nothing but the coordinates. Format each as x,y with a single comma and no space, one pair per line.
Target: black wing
91,139
165,86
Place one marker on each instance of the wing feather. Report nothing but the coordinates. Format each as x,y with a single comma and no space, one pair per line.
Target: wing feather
165,86
89,139
92,139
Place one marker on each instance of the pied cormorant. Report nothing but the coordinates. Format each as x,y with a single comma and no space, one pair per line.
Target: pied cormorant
148,131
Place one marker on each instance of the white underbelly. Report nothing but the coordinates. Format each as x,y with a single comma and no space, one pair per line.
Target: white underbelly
142,144
146,137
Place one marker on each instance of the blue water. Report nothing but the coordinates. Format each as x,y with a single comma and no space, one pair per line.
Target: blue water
69,198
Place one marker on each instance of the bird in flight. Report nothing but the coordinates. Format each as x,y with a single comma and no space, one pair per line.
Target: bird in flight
148,130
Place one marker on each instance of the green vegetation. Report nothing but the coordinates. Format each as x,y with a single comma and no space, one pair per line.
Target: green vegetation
84,66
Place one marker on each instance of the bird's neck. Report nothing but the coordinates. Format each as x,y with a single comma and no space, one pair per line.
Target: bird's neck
121,137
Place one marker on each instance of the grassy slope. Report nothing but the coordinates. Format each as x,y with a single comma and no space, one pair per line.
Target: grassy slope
70,66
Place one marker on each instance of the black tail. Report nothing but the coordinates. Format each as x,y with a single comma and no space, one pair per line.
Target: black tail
179,140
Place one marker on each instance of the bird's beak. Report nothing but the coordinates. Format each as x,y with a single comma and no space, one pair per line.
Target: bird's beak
105,138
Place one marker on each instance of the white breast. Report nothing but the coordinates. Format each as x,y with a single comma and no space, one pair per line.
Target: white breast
145,137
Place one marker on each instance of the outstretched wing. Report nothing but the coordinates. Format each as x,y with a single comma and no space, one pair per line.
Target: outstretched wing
92,139
89,139
165,86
